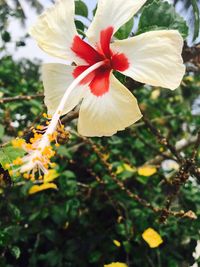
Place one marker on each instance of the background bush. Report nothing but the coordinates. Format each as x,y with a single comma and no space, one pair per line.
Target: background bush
76,225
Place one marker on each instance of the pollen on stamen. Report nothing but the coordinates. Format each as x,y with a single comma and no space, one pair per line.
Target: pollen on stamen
40,149
26,175
18,143
39,152
18,161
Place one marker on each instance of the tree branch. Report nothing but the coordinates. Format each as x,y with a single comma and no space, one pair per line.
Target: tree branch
181,214
162,140
20,98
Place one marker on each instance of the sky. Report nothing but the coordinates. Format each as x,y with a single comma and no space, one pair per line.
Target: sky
31,50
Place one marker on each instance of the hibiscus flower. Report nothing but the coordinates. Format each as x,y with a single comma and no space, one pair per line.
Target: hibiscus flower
107,106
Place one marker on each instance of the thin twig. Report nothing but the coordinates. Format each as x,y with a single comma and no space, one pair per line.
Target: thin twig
196,146
180,179
135,197
20,98
180,146
162,140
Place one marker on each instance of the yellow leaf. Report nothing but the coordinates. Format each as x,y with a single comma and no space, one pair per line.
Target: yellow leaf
117,243
147,170
152,238
124,167
106,156
155,94
37,188
50,176
189,78
116,264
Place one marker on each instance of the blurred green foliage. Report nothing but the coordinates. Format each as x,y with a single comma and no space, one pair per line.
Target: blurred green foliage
152,18
76,225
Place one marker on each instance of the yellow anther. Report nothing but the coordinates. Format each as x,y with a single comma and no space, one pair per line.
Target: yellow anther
31,176
45,115
7,166
26,175
10,172
47,122
18,142
53,165
29,146
18,161
20,133
40,177
48,152
37,136
36,159
50,136
57,145
40,127
32,140
54,135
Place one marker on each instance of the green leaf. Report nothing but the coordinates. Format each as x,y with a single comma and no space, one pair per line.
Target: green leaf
63,151
161,15
80,27
125,30
10,153
94,11
1,131
142,179
69,174
196,19
94,256
127,246
14,211
81,8
15,252
6,37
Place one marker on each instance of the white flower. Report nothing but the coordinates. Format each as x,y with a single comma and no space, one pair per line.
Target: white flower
107,106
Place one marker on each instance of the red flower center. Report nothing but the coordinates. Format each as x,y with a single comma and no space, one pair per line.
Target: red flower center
98,80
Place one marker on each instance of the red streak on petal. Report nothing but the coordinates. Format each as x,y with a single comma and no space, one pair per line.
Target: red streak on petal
85,51
101,82
99,79
80,69
119,62
105,38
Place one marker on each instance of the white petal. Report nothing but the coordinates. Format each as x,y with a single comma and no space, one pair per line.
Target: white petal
154,57
107,114
55,29
113,13
56,80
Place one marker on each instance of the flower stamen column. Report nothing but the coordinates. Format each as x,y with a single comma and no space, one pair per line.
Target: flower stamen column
38,158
